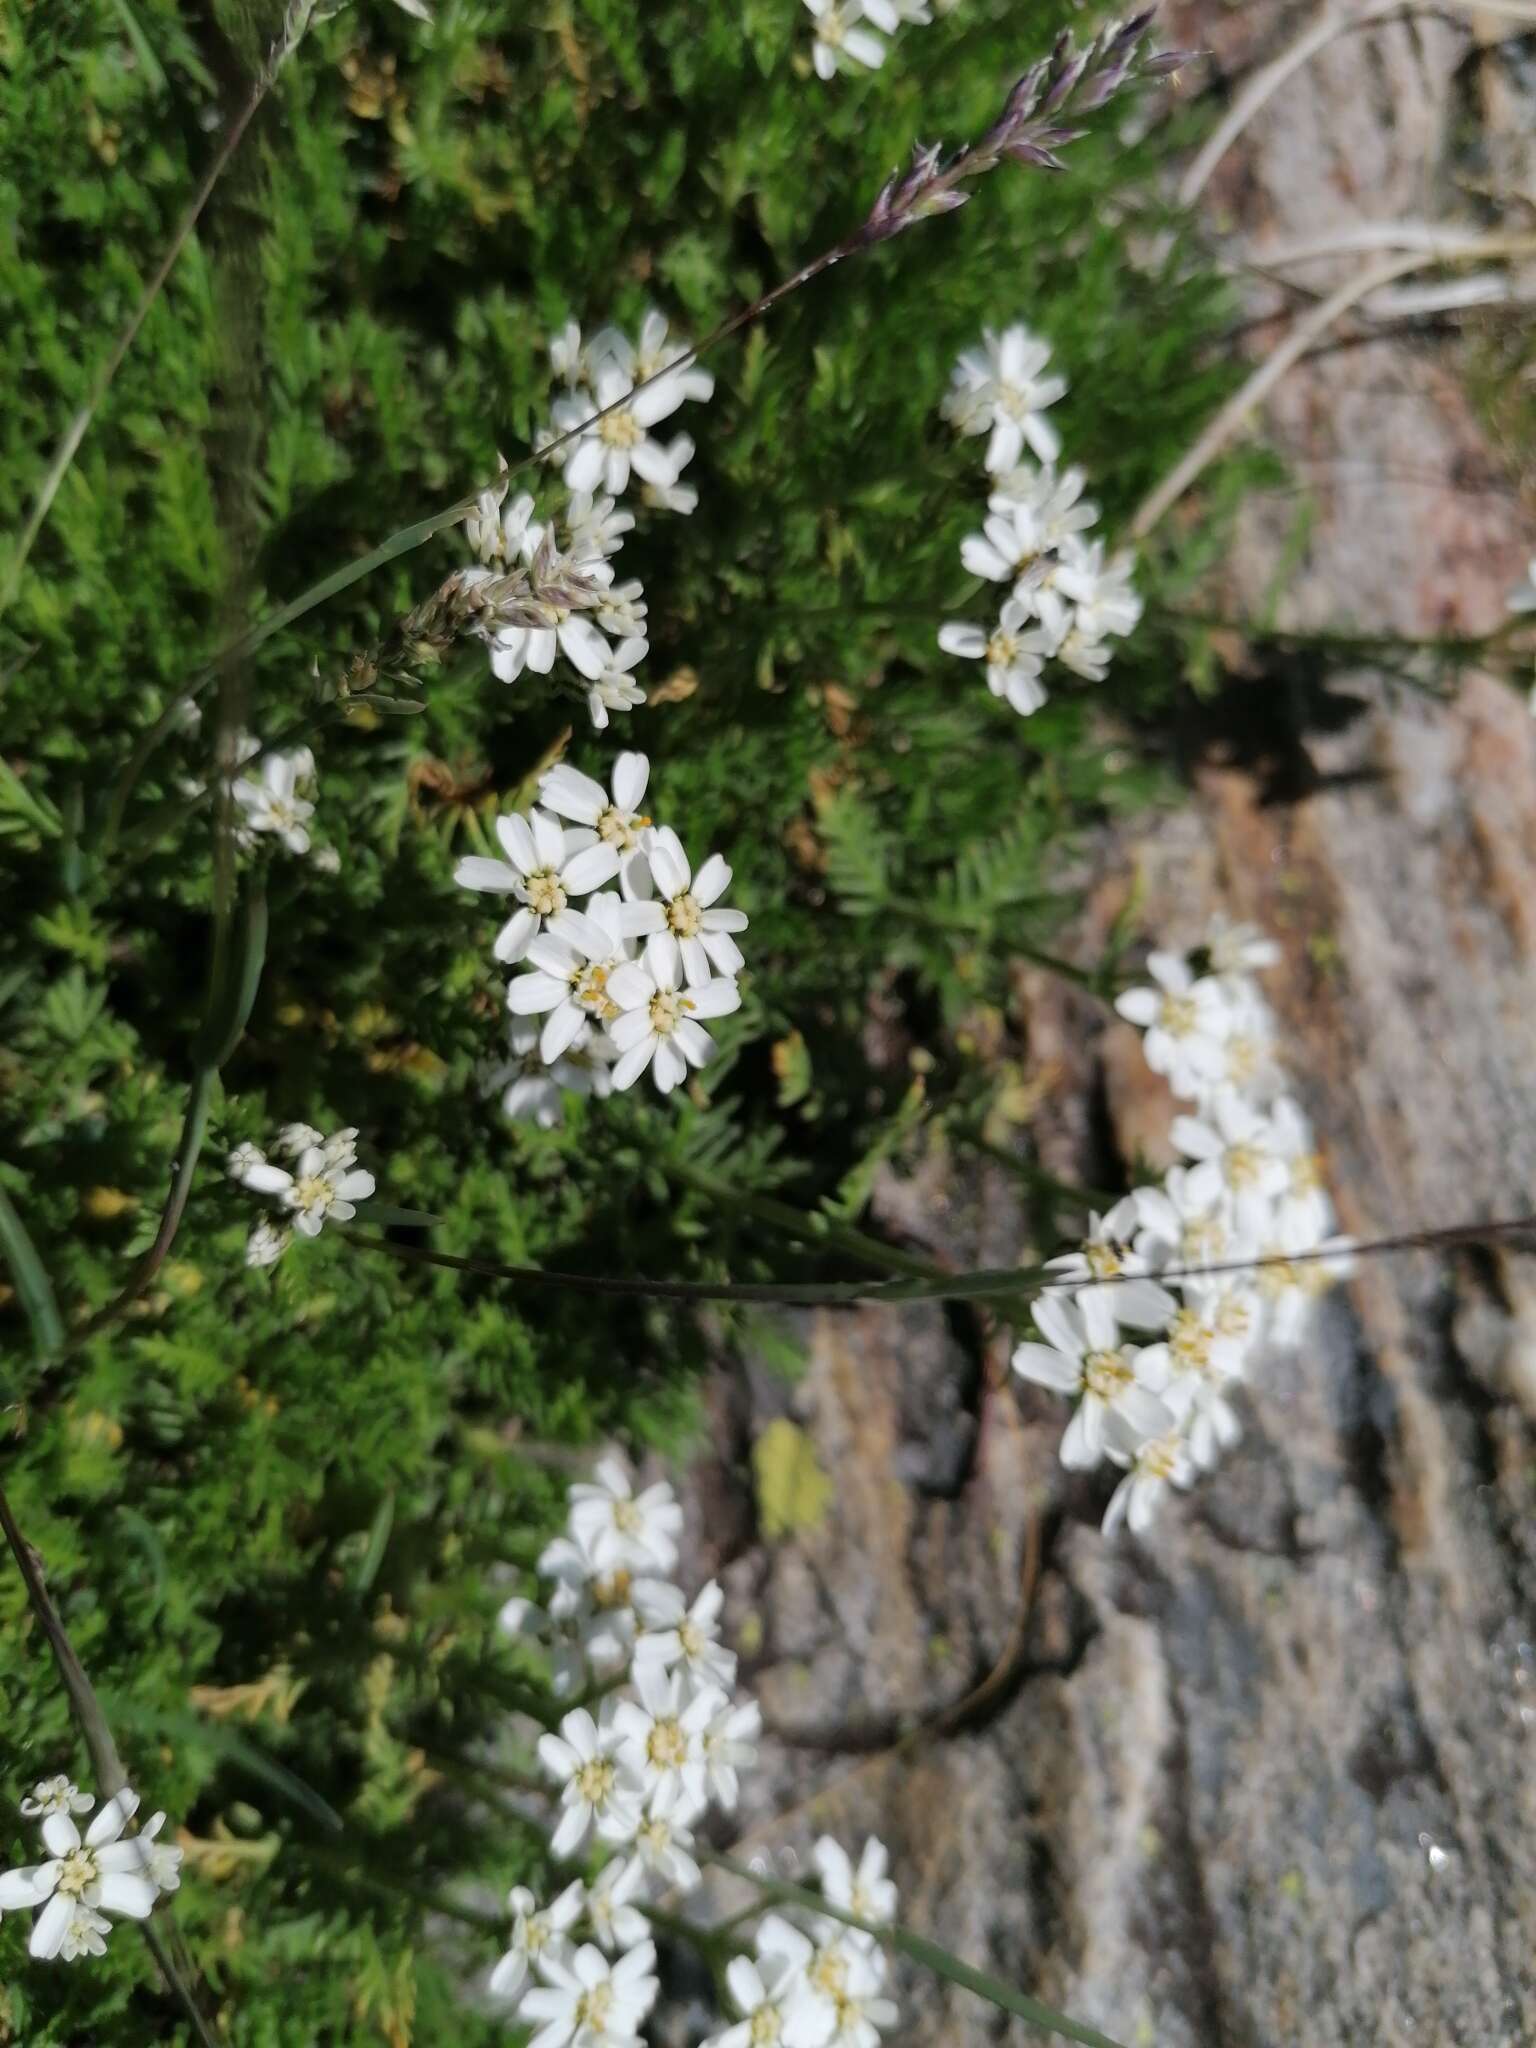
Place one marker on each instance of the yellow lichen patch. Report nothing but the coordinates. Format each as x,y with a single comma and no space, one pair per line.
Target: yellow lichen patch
793,1493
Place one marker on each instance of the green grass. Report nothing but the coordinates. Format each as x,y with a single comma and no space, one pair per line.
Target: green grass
271,1505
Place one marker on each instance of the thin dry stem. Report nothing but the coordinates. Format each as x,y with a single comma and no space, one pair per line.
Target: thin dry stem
1304,335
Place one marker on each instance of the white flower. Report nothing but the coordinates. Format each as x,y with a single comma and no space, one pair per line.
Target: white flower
776,2006
1235,950
1106,600
1184,1019
863,1890
616,818
1303,1212
636,1531
595,527
667,493
687,906
730,1747
1523,597
693,1644
1237,1152
598,1788
326,859
1083,653
617,1923
534,647
1047,507
535,1936
571,963
1185,1232
1119,1404
612,443
1290,1282
273,804
566,357
500,536
664,1846
267,1243
1161,1462
317,1190
660,1026
838,34
56,1795
533,1093
622,612
85,1933
1003,388
1000,550
161,1859
545,867
1013,651
845,1979
103,1873
1109,1253
663,1733
654,352
588,2002
1199,1354
242,1159
1249,1056
613,687
293,1139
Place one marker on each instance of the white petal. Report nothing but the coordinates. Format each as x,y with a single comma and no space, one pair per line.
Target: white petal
515,936
589,870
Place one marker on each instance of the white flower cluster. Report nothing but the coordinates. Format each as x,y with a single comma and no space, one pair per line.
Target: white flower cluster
324,1184
1216,1268
614,448
1067,600
842,39
667,1742
625,982
85,1879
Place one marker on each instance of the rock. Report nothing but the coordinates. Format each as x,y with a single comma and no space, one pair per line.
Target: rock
1267,1777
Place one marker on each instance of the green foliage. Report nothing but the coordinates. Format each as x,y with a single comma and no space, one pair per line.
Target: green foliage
272,1506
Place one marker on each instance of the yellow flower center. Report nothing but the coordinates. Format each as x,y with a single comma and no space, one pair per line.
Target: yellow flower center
1190,1341
621,429
829,1973
1159,1459
593,2008
615,829
666,1011
612,1590
1106,1373
1179,1016
589,985
1242,1165
763,2029
1307,1173
1104,1260
690,1638
667,1746
1002,649
543,893
77,1873
1234,1318
685,915
313,1191
594,1781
